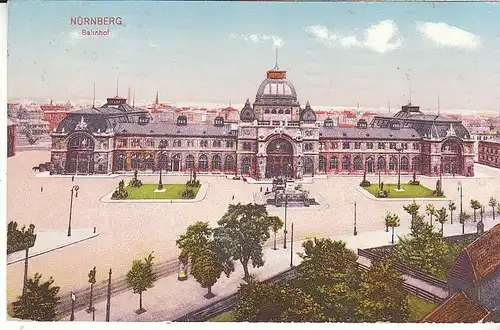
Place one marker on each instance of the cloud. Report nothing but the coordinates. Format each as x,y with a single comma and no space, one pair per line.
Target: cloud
259,38
446,35
380,38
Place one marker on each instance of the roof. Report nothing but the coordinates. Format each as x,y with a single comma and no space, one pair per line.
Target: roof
457,309
370,132
477,261
164,128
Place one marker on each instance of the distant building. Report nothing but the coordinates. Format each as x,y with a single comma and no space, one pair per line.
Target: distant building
11,138
54,113
489,152
474,282
482,133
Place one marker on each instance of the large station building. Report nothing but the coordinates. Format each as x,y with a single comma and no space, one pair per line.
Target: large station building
274,136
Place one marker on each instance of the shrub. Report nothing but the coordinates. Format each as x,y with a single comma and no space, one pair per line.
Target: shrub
188,194
382,194
365,183
437,193
19,239
414,182
135,182
120,192
193,183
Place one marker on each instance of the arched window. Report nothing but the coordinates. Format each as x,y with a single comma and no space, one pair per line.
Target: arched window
136,161
266,111
229,163
358,163
189,162
280,111
415,164
322,163
381,163
308,165
346,163
245,165
216,162
163,161
273,111
404,164
203,163
287,111
81,141
120,163
393,163
149,162
333,163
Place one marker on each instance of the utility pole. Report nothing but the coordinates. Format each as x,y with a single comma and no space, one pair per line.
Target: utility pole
108,303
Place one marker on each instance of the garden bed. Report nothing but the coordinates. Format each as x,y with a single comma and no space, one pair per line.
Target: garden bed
147,191
409,191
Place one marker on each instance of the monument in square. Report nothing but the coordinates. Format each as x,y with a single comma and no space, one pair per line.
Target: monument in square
287,191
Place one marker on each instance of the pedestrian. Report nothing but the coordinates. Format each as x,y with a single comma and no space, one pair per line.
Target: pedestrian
73,178
170,201
233,197
41,188
260,189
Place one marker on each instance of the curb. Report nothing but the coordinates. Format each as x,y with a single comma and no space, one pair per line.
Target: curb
51,249
202,194
370,196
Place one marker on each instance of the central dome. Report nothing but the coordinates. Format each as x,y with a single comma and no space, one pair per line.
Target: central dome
276,88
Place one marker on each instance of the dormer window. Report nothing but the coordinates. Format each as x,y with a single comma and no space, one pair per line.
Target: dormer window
328,122
143,120
219,121
181,121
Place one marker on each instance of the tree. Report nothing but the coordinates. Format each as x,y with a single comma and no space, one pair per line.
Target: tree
196,239
270,302
329,273
92,282
276,224
243,230
393,222
141,277
463,218
412,209
387,221
39,301
383,298
430,210
423,249
451,207
475,205
493,204
207,269
441,218
20,239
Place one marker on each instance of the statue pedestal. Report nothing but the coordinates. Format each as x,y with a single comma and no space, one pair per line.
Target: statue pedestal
161,190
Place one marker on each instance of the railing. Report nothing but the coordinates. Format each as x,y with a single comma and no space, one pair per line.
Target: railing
407,270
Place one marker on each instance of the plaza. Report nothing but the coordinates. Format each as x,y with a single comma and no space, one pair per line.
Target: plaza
131,230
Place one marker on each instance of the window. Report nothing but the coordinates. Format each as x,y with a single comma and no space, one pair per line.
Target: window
150,143
247,146
136,162
190,162
404,164
162,161
346,163
229,144
369,145
358,163
287,111
308,146
393,163
266,111
345,145
229,163
190,143
149,162
392,145
245,165
217,143
404,146
435,169
273,111
136,143
203,144
203,162
122,143
381,163
120,163
333,163
416,146
381,145
334,145
322,163
216,162
357,145
179,143
163,142
280,111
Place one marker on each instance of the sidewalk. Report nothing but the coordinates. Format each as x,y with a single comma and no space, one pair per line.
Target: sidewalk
47,241
170,299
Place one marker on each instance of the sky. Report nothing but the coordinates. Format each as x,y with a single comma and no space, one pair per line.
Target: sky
336,54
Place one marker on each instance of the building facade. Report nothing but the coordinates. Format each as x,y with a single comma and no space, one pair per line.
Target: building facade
489,152
482,134
274,136
11,138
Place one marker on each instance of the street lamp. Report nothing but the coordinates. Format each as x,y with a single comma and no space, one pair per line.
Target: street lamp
399,150
286,206
441,174
161,146
355,229
75,191
460,190
291,248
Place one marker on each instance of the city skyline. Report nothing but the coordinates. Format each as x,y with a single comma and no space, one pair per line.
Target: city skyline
219,52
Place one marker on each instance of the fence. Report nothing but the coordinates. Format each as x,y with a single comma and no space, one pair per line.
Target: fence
407,270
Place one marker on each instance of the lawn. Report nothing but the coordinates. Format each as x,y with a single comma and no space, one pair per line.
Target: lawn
410,191
224,317
147,191
418,308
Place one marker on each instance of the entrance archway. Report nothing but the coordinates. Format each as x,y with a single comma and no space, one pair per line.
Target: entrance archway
279,159
80,158
451,157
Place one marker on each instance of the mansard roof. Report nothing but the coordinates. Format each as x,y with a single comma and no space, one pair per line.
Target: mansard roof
368,133
171,129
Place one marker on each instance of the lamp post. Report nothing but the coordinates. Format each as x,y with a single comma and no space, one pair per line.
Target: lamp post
73,300
75,191
441,175
355,229
161,146
291,248
399,150
286,206
108,298
460,190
